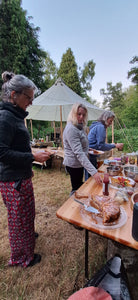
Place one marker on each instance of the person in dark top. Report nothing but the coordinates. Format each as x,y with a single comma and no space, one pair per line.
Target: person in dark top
97,137
16,168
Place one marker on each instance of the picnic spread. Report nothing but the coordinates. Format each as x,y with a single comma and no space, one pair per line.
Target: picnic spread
115,211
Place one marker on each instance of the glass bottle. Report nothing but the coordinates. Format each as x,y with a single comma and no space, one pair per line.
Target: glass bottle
106,184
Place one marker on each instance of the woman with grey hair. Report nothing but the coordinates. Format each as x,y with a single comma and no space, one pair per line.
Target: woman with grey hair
76,147
16,168
97,137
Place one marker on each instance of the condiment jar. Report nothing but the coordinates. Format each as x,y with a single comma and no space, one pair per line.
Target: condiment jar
132,160
124,159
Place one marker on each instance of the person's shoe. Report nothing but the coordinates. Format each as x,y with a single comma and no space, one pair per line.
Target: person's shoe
36,259
36,235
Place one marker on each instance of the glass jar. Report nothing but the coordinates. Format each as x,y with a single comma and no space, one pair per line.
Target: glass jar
132,160
124,159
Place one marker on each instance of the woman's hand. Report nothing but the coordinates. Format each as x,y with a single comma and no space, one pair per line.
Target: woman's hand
41,156
97,178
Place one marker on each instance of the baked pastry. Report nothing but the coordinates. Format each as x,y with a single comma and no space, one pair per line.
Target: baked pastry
108,208
80,195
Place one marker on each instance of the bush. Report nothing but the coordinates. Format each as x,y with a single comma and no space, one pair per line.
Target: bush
126,136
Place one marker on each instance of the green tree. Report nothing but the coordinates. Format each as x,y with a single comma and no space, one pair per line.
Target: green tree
86,76
113,97
133,73
129,114
50,71
68,71
19,47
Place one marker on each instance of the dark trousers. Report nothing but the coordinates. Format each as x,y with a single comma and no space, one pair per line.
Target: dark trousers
76,177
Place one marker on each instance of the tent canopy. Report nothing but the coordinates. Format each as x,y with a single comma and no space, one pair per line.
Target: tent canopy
56,102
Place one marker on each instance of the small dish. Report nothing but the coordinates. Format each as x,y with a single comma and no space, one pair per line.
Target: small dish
114,170
134,199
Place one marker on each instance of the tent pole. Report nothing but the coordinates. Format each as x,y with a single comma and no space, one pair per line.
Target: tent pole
25,122
112,137
54,130
61,128
31,129
106,140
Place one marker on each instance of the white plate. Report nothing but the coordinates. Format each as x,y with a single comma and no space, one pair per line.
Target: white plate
97,221
131,181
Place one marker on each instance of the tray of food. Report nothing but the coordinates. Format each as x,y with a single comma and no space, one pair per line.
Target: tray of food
121,182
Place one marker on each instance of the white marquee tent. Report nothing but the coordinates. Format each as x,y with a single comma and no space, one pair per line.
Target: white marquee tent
47,106
56,102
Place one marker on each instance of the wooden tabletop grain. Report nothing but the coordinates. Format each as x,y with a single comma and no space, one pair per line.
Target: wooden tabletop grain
70,211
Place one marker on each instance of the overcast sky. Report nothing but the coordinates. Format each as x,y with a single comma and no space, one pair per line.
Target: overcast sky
105,31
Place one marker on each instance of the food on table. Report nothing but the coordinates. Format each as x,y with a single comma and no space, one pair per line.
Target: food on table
131,172
129,190
108,208
113,162
124,159
114,170
121,181
132,160
80,195
120,197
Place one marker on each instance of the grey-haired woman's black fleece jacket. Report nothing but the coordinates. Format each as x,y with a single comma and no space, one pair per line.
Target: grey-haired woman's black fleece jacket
15,151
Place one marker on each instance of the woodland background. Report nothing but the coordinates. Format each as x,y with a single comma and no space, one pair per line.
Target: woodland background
21,53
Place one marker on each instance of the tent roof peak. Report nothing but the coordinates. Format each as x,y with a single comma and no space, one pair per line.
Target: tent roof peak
59,81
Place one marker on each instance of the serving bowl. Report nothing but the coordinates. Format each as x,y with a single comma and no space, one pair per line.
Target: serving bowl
114,170
134,199
131,172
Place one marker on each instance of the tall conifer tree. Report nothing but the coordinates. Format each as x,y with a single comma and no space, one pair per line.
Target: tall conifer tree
68,71
19,47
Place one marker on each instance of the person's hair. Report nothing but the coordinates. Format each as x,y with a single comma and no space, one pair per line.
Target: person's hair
6,76
72,117
105,116
18,83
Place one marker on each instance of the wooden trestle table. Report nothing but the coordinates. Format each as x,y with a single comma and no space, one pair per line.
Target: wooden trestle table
70,212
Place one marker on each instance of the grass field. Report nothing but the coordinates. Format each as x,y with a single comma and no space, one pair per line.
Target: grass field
61,270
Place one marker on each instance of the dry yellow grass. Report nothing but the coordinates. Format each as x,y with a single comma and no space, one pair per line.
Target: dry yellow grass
61,270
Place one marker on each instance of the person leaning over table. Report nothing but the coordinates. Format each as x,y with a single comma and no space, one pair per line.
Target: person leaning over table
16,168
76,147
97,137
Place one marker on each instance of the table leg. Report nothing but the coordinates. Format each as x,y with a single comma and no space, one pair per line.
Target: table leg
61,163
86,252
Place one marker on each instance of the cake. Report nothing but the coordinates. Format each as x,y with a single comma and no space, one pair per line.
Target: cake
108,208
